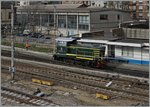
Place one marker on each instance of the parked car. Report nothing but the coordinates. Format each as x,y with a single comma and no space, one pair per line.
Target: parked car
19,34
37,35
44,40
47,38
27,34
26,31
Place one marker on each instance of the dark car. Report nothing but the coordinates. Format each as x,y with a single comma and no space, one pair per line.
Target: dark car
37,35
47,38
19,34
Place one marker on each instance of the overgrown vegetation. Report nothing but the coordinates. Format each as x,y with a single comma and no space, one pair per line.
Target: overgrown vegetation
32,47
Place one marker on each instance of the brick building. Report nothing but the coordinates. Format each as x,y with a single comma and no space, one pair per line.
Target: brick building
139,9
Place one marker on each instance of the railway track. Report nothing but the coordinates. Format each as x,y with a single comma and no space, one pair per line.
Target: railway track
24,98
91,84
93,79
89,88
111,69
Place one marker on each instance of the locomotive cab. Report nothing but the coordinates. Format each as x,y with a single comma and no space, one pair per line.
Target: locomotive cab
61,46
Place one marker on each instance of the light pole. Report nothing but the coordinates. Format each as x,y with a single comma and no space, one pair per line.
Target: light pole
12,69
54,28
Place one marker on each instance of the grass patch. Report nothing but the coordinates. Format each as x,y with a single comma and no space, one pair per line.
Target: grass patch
19,45
6,43
40,49
32,47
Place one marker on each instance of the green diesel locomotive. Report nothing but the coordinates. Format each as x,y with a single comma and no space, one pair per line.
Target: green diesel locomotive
68,50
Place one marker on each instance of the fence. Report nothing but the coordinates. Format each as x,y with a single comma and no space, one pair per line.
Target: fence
136,33
39,42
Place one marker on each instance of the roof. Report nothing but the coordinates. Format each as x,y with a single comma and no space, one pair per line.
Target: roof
133,40
125,44
65,8
117,42
104,38
110,38
130,42
144,24
65,39
49,7
7,4
93,41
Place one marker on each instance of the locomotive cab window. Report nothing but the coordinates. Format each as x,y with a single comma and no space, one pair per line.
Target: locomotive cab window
61,49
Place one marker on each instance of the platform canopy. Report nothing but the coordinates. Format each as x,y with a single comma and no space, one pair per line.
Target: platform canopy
125,44
93,41
130,42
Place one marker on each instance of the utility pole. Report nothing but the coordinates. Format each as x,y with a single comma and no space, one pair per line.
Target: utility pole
12,68
54,29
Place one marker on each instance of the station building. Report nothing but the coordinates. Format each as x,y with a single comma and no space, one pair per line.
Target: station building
70,19
132,51
130,46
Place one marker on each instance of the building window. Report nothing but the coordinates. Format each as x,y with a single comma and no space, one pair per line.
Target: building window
134,1
84,27
9,15
84,19
44,20
72,22
62,21
118,17
141,7
1,15
103,17
140,14
51,20
84,22
124,51
134,7
127,51
130,51
140,1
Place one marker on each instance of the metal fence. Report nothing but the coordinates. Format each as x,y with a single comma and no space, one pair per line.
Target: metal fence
39,42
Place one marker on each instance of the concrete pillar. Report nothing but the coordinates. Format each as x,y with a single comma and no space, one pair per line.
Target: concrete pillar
89,21
67,24
78,23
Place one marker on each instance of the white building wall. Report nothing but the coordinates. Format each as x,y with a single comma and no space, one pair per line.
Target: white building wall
118,51
137,53
145,54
